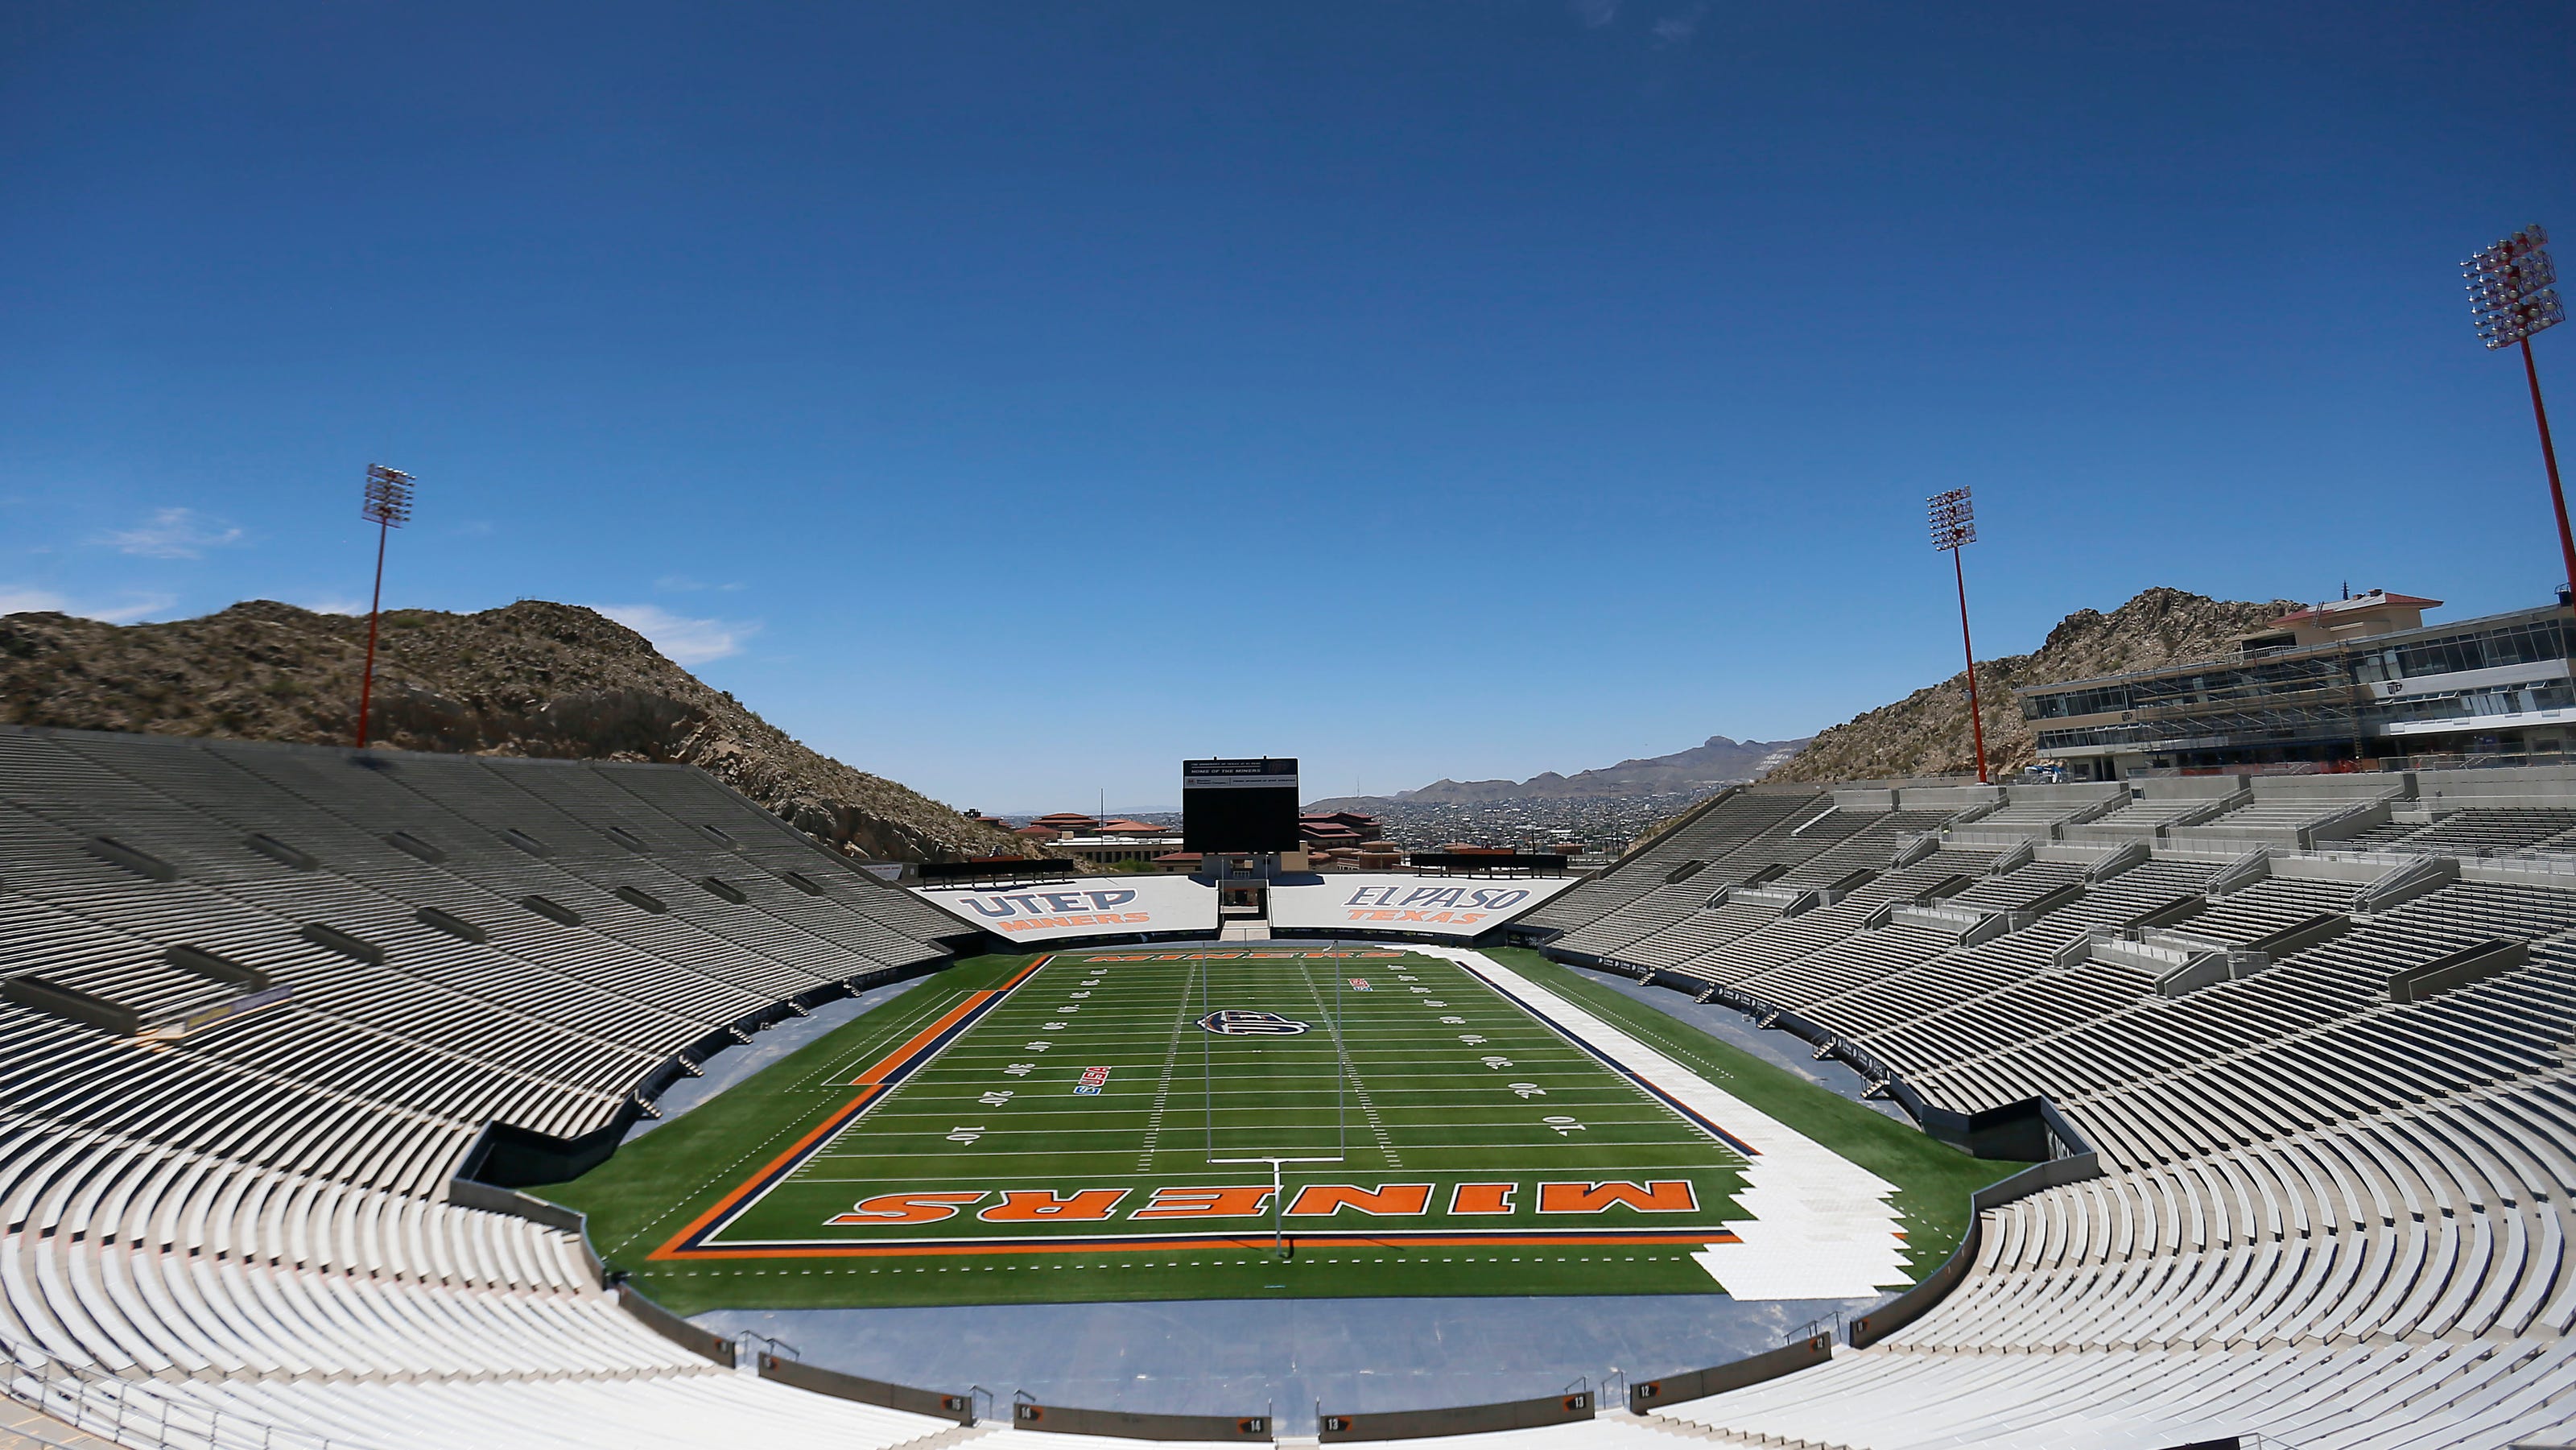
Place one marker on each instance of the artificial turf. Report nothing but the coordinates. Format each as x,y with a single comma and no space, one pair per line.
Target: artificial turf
950,1134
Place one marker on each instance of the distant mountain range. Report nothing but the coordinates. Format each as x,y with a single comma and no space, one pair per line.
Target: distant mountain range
1718,761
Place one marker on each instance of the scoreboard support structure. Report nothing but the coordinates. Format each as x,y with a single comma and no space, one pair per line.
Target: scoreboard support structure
1240,815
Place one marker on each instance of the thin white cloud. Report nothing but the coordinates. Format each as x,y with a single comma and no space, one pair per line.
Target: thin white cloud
174,533
1679,27
336,604
16,599
137,607
687,641
32,601
1595,13
683,584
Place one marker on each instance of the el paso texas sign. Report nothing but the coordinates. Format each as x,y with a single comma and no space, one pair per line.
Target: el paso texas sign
1423,905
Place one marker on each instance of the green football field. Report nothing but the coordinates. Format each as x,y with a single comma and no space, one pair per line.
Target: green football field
1252,1120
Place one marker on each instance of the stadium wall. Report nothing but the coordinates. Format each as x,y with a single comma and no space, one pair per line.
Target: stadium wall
1458,1420
1674,1389
1138,1425
860,1390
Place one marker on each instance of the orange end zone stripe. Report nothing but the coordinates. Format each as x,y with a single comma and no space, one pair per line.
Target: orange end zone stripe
876,1072
870,1083
1180,1245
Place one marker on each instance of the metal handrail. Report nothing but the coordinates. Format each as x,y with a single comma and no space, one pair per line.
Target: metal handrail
138,1413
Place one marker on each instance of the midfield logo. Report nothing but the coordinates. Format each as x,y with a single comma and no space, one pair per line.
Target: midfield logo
1235,1022
1093,1080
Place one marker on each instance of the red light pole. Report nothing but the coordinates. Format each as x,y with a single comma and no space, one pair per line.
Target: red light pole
2511,295
388,506
1954,525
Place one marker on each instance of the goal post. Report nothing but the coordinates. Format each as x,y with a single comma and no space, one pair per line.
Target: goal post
1279,1194
1274,1069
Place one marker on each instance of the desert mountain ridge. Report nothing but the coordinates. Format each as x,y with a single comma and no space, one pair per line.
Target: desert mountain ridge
530,679
1926,733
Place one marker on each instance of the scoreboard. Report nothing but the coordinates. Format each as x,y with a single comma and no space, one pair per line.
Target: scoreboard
1238,807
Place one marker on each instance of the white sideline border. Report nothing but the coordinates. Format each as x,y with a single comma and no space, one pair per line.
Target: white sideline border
1818,1225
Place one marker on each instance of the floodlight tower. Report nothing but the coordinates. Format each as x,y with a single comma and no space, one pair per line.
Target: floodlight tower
388,506
2511,295
1954,526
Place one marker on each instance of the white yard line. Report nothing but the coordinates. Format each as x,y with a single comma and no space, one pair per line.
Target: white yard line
1817,1225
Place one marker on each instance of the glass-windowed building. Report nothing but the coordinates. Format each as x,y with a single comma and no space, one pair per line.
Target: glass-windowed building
2350,684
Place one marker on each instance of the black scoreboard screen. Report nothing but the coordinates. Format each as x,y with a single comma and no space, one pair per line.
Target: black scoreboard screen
1238,807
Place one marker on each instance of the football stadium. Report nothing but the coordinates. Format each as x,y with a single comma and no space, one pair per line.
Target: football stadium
2200,1108
435,1023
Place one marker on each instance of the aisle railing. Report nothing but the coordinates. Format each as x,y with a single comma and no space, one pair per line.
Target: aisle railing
142,1414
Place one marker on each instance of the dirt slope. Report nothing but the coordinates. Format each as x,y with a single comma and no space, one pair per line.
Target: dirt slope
1926,733
533,679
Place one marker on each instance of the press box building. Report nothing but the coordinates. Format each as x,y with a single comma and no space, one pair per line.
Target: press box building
2349,682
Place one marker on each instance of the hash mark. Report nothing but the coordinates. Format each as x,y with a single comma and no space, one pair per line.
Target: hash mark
1163,1088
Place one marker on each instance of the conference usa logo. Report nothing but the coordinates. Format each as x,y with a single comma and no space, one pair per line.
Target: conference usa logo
1235,1022
1093,1080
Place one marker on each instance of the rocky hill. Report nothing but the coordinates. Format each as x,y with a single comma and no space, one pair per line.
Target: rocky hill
1926,733
532,679
1716,761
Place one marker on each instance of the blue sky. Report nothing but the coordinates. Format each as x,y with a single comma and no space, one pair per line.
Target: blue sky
1012,399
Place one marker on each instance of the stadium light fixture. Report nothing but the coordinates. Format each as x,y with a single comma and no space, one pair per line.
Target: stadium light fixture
1954,527
387,505
2511,296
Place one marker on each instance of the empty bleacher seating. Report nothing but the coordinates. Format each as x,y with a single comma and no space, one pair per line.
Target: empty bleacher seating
2331,1213
1708,833
243,1234
2330,1216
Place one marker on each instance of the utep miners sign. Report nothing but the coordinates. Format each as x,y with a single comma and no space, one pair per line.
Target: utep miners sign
1425,905
1068,910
